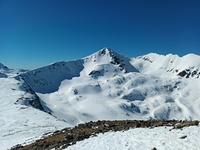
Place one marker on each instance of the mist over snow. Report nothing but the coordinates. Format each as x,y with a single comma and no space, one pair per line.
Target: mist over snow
103,86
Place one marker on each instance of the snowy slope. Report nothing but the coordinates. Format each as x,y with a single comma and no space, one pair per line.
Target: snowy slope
131,96
19,121
169,65
107,85
143,139
47,79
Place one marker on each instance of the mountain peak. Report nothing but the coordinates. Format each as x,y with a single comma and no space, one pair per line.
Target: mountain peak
104,63
107,58
3,71
3,67
105,51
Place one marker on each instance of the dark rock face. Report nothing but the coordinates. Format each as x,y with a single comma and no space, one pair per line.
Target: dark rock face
34,101
188,73
96,73
182,73
66,137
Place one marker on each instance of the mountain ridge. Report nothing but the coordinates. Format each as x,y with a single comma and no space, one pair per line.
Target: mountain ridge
67,70
128,90
186,66
113,52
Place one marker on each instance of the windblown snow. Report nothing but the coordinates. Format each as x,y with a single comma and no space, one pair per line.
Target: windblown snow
103,86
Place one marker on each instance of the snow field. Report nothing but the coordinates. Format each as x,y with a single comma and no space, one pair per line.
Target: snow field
143,139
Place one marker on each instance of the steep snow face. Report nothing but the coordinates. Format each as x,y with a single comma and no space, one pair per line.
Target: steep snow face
169,65
47,79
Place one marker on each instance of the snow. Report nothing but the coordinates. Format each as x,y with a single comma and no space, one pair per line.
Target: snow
106,57
108,86
127,96
48,78
102,86
142,139
21,123
166,66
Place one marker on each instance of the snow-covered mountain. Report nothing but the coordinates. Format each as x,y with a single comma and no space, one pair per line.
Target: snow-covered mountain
107,85
3,70
2,67
159,65
102,63
103,86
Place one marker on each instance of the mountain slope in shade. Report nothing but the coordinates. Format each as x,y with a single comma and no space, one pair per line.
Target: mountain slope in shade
2,67
3,70
2,75
47,79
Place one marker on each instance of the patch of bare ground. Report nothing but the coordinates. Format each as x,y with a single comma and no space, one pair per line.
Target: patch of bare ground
69,136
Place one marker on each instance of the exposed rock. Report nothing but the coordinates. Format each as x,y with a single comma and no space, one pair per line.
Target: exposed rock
187,73
183,137
182,73
66,137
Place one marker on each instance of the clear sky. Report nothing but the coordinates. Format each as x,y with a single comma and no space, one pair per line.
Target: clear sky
34,33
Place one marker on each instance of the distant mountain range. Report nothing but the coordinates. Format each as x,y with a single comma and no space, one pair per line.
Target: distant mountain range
103,86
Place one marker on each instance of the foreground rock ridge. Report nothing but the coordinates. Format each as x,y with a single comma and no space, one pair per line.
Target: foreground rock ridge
62,139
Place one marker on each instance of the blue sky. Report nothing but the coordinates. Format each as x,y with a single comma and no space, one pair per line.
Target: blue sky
34,33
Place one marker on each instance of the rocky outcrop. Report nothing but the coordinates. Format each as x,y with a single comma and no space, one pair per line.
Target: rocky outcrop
66,137
187,73
26,99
